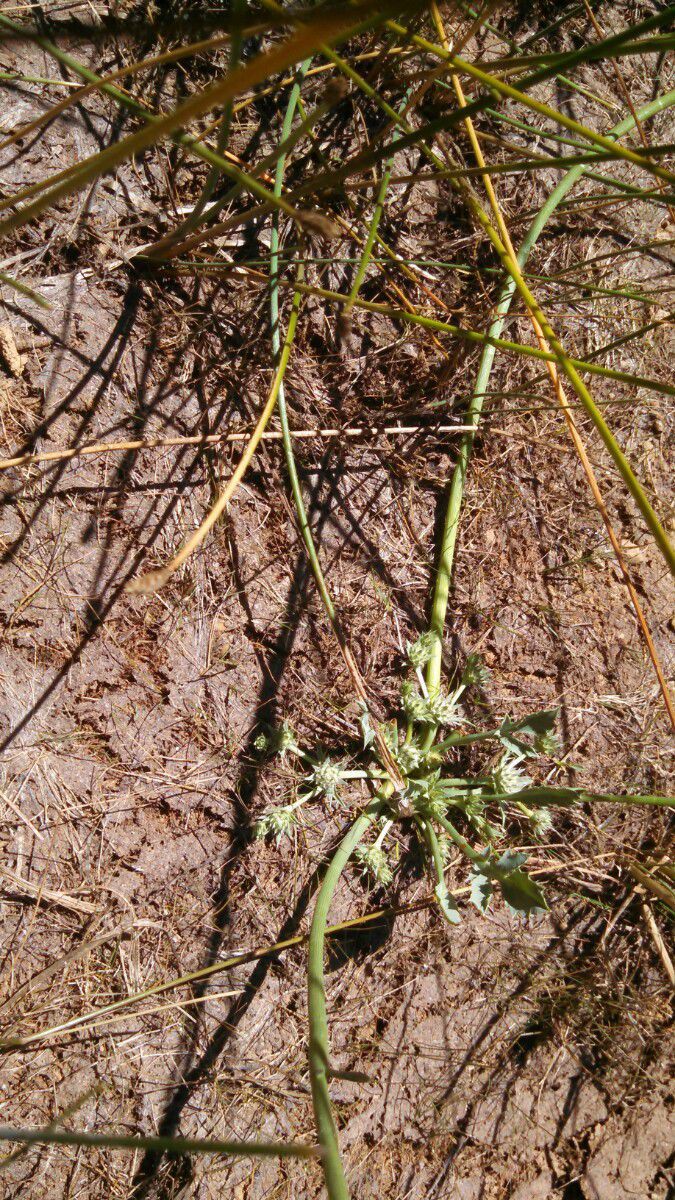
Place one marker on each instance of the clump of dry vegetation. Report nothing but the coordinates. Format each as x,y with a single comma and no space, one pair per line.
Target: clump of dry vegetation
337,586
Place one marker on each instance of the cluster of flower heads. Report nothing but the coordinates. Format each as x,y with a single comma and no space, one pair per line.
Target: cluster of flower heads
281,740
430,794
276,823
434,709
325,779
508,778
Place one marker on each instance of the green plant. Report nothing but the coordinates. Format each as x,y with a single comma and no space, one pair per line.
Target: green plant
415,780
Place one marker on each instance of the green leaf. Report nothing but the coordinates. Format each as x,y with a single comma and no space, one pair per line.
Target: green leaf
522,894
366,727
537,725
481,891
509,861
446,903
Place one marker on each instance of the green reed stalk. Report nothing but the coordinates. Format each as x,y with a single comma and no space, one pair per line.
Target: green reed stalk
456,492
319,1066
165,1145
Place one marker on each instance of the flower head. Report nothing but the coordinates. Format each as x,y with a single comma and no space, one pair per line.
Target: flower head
428,796
281,740
277,822
421,650
374,860
436,710
475,671
409,757
541,821
507,778
326,777
444,710
548,744
414,705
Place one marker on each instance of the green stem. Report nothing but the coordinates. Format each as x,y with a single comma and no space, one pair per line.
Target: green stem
565,796
196,216
165,1145
487,339
569,368
90,1019
324,27
474,856
466,739
367,252
608,798
494,84
301,511
287,144
456,492
336,1183
319,1066
446,902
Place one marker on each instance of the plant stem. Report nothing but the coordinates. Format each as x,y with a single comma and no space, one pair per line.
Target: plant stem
166,1145
386,826
456,491
324,27
336,1184
152,581
608,798
474,856
483,339
446,902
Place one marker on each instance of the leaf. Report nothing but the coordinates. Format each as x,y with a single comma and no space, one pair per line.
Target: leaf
481,891
446,903
366,727
537,725
522,894
509,861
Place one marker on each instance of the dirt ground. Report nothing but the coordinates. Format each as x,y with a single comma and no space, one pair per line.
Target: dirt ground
504,1059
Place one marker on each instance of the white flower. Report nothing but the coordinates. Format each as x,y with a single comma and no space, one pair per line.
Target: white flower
278,741
374,860
475,671
421,650
507,778
409,757
326,778
541,821
278,822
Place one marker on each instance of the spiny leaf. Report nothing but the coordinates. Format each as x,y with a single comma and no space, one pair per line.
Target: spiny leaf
446,903
366,727
510,861
537,725
522,894
481,891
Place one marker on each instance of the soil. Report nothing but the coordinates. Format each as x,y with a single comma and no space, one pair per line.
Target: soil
503,1059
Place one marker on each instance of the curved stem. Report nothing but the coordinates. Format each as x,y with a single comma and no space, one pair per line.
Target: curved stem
446,901
414,317
456,492
152,581
319,1068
